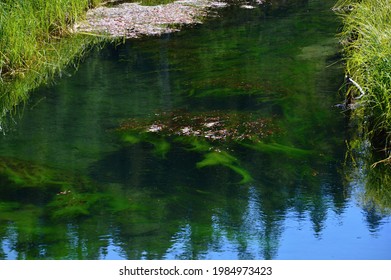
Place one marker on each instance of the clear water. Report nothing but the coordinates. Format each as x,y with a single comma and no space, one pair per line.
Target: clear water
73,189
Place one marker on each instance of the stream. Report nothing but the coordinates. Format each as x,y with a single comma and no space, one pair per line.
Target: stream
221,141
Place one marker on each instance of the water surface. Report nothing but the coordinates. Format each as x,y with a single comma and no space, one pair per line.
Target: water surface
74,187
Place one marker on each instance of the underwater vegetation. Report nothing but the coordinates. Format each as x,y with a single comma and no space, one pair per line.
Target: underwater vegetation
65,194
214,126
213,134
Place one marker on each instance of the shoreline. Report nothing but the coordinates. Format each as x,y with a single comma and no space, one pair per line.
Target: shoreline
365,41
132,20
102,24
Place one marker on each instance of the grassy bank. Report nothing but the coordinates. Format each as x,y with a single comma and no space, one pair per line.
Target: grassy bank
366,39
35,44
30,29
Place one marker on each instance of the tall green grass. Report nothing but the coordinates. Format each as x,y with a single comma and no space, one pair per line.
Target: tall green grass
29,28
35,44
366,39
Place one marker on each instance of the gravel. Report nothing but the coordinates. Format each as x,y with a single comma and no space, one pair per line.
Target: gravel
132,20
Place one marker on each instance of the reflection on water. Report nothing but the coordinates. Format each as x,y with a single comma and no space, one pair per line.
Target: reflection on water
76,187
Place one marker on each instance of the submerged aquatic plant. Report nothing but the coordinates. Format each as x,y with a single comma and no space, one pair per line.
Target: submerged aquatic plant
225,159
68,195
212,134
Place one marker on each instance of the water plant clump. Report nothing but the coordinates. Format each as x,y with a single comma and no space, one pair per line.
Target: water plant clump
36,45
366,40
213,134
66,194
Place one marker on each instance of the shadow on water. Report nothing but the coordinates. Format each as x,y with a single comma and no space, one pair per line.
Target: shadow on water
96,170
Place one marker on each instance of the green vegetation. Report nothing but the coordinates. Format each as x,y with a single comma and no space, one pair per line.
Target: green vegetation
31,51
366,39
30,30
210,134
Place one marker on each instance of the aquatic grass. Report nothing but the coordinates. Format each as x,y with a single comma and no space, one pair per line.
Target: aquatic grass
225,159
76,204
366,39
196,144
68,195
161,146
217,158
278,148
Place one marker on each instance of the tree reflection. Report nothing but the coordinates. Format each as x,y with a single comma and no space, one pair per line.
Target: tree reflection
371,181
